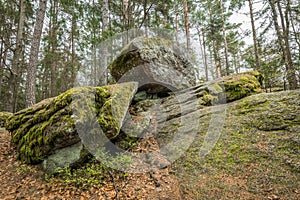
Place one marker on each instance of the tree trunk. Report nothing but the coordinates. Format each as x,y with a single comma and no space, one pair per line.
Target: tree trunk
295,32
187,25
125,21
225,39
145,19
73,56
176,22
54,43
217,60
203,51
290,70
1,73
34,51
257,56
105,18
286,34
17,63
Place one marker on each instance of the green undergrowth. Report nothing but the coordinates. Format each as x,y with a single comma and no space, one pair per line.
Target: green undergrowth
84,177
90,174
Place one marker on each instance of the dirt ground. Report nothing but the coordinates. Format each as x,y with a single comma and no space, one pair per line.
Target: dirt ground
20,181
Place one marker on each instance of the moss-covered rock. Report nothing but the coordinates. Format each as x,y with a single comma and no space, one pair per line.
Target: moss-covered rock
258,145
3,118
156,63
242,85
220,91
53,124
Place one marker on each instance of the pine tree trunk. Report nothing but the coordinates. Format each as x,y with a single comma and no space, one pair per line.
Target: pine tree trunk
125,21
105,17
203,51
176,22
73,56
257,56
225,39
1,73
187,25
284,46
34,51
286,34
16,63
53,41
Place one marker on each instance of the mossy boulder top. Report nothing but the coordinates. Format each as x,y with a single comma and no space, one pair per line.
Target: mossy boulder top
157,64
3,118
56,123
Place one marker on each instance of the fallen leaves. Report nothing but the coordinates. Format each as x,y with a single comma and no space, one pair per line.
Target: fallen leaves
20,181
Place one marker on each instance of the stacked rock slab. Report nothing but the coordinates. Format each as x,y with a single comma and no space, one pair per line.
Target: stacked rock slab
157,64
76,117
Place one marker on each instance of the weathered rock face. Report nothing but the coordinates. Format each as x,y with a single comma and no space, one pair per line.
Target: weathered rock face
56,123
69,156
157,64
177,116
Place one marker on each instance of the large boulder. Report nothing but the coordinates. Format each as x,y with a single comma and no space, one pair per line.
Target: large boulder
71,118
158,64
68,129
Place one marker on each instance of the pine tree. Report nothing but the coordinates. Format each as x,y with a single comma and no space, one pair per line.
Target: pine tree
34,51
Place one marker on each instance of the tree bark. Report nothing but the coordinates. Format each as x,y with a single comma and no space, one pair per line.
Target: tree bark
257,56
105,17
34,51
225,39
203,51
187,25
284,46
286,34
176,26
16,63
125,21
54,44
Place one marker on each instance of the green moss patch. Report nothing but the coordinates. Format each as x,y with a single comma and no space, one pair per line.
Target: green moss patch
4,116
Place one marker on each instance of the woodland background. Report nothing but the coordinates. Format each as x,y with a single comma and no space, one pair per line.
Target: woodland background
45,44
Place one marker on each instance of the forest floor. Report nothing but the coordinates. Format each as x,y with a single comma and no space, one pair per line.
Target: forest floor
20,181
